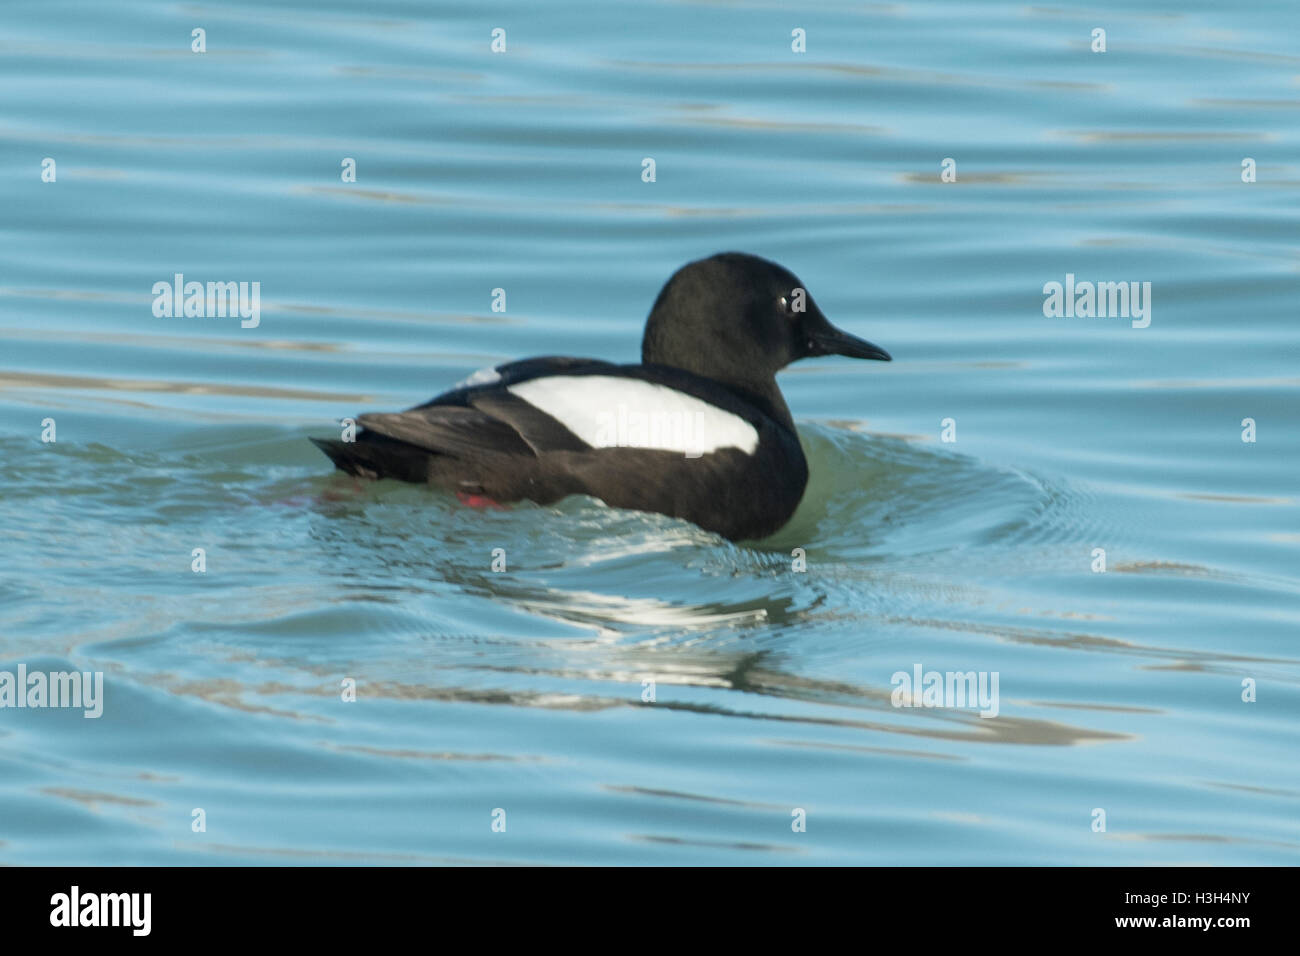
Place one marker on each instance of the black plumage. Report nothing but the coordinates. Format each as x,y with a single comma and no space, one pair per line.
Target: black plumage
718,333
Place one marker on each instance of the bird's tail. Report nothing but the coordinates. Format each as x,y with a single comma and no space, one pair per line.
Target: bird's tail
374,456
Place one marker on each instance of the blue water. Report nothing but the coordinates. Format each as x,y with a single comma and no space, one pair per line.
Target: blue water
522,690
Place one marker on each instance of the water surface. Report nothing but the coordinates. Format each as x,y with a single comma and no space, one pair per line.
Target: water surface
523,689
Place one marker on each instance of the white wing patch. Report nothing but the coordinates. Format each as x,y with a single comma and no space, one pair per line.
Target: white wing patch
484,376
610,412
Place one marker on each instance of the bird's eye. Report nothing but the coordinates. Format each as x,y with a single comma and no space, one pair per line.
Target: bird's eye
784,304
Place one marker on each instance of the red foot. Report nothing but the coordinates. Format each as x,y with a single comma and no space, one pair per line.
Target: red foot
478,501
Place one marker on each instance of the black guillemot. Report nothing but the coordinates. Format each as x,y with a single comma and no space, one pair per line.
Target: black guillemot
699,430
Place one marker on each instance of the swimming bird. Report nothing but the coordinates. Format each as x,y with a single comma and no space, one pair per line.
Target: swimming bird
698,430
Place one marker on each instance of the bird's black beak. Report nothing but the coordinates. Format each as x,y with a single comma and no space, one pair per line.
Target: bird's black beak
832,341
